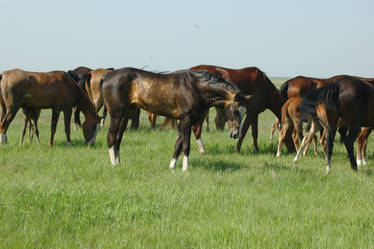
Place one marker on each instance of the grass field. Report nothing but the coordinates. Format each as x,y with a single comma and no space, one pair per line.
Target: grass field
65,197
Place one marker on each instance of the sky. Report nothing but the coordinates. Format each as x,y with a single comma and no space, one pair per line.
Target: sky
282,38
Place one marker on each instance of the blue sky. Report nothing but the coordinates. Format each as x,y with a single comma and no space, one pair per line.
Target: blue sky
282,38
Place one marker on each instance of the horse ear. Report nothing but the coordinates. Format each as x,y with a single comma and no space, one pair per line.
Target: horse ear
243,99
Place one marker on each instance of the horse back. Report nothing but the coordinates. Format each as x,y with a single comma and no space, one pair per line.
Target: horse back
41,90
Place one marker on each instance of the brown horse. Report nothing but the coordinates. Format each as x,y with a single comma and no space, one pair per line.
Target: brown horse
292,120
253,81
183,95
55,90
351,100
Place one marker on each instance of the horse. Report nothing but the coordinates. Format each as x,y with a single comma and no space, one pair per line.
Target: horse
351,100
183,95
292,120
55,90
265,95
153,118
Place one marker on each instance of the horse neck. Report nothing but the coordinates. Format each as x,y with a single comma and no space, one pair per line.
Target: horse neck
275,100
86,106
214,95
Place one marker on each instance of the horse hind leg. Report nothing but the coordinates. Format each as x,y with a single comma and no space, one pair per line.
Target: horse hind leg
117,126
197,129
282,136
306,140
25,126
348,142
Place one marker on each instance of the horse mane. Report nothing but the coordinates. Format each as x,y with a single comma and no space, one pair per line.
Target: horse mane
215,79
328,95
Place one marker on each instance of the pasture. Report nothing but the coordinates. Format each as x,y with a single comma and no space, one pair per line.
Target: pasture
71,197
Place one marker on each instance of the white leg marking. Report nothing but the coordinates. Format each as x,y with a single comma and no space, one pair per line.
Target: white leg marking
200,145
3,139
359,162
185,163
112,155
102,122
365,161
172,163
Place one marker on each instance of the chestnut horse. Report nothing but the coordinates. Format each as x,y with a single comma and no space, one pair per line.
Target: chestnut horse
351,100
292,119
183,95
55,90
253,81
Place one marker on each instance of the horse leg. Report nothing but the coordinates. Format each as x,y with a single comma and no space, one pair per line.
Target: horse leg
348,142
55,115
207,120
330,146
343,133
114,127
152,119
36,130
102,120
361,145
67,118
282,136
26,122
220,119
244,129
197,128
164,124
365,143
182,143
77,120
255,133
135,119
306,140
273,128
8,118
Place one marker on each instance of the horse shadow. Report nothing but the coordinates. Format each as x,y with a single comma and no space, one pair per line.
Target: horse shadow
217,165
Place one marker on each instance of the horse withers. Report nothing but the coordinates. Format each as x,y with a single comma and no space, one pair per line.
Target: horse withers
54,90
183,95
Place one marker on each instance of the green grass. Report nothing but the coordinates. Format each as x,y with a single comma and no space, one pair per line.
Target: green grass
65,197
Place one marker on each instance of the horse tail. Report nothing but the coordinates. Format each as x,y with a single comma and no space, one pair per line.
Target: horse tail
85,79
328,95
283,91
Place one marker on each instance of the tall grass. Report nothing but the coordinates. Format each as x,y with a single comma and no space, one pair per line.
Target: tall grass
71,197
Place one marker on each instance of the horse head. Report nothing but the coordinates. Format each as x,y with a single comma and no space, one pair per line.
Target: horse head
90,128
234,111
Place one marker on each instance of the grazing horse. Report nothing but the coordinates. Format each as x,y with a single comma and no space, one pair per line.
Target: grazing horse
55,90
351,100
253,81
183,95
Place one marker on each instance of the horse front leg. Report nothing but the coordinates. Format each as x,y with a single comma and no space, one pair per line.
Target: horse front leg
182,144
55,115
67,118
255,133
25,124
244,129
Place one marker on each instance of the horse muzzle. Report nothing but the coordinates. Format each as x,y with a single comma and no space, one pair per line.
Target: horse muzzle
93,139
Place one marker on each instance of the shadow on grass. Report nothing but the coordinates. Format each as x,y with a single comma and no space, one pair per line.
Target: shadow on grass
217,165
285,167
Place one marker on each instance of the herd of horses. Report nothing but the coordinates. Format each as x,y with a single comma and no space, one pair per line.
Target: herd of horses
341,102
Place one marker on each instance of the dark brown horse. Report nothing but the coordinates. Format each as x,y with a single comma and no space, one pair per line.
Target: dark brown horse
351,100
253,81
183,95
55,90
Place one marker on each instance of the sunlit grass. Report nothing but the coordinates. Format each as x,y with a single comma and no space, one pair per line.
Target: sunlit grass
65,197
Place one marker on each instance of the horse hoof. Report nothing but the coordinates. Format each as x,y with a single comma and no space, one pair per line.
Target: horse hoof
69,144
327,170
